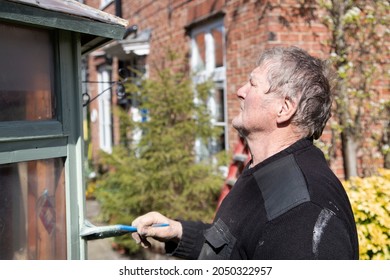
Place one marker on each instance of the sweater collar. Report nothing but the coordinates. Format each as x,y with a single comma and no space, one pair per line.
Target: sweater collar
300,144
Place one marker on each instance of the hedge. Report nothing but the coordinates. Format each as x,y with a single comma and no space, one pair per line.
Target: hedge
370,199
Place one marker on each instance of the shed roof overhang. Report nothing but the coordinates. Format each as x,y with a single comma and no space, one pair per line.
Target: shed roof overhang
96,28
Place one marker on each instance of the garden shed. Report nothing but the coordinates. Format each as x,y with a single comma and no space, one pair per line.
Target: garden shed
42,196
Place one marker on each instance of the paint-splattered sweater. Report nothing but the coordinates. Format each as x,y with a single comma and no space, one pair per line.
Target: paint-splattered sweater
290,206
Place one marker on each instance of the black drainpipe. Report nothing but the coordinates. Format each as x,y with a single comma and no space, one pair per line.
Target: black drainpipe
118,8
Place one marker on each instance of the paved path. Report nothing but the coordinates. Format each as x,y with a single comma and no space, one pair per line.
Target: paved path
100,249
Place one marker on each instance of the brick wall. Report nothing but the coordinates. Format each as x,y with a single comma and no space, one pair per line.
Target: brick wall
250,25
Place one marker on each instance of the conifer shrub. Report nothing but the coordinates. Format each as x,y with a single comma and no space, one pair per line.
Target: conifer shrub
159,171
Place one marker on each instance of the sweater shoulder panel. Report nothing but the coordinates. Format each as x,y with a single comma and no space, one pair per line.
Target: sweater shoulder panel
282,185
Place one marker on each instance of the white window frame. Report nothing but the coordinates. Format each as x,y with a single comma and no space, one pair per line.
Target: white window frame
105,3
217,74
105,118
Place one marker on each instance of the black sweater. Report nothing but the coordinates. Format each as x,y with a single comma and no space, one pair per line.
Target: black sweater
290,206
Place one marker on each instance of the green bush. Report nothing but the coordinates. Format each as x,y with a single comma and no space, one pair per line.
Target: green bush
160,172
370,199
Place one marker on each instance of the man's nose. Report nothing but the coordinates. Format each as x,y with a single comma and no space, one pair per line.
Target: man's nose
242,91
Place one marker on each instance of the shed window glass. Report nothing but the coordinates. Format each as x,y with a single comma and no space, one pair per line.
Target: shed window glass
26,74
32,210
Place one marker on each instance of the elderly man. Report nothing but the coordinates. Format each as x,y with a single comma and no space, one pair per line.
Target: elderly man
287,203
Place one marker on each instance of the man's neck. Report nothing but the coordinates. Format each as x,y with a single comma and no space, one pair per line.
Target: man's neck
264,146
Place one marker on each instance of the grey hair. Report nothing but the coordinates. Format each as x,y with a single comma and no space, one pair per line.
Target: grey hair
304,79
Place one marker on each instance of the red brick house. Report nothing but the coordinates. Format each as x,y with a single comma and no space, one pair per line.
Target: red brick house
221,38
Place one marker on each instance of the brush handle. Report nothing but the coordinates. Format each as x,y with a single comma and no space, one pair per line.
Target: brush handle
134,229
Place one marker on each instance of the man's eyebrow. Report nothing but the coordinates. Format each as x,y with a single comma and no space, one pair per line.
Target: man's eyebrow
252,79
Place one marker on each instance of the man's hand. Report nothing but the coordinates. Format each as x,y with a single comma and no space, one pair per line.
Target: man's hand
145,229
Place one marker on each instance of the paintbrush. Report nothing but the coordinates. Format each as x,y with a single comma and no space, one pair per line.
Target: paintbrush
90,231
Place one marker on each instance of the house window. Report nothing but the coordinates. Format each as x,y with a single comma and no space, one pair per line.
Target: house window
105,118
25,94
105,3
207,62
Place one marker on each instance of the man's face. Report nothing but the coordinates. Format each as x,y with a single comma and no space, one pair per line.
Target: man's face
258,107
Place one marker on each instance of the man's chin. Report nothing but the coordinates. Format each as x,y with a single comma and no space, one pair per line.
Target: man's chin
240,128
236,124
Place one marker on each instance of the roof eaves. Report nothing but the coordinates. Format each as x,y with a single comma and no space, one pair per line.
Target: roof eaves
75,8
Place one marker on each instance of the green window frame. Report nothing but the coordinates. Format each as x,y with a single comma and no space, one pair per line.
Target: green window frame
22,141
77,30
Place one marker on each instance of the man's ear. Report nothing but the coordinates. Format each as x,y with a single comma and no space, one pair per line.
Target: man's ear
287,110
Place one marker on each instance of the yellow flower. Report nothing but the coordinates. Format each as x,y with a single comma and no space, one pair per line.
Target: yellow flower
370,200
